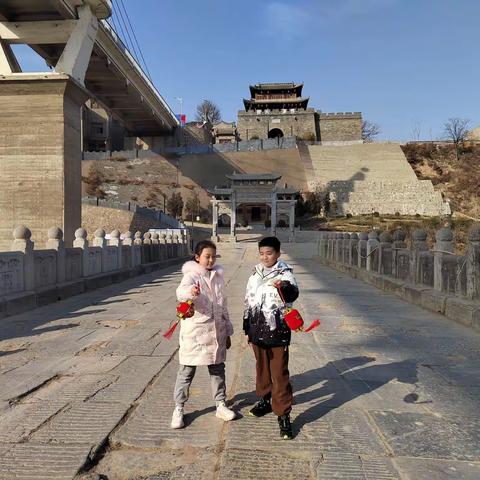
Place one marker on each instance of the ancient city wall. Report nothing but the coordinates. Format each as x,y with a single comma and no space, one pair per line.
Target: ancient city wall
298,124
336,127
435,279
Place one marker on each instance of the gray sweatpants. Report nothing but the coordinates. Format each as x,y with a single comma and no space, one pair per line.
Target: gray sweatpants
185,377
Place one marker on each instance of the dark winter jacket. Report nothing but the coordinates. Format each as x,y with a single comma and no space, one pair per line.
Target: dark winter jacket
263,316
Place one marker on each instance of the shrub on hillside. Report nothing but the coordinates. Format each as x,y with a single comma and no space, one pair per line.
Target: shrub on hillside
309,137
93,181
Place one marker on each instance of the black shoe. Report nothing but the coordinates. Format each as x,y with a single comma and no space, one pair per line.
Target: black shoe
261,408
285,427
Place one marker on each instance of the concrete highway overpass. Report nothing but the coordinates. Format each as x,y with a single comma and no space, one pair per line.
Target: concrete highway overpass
40,122
55,29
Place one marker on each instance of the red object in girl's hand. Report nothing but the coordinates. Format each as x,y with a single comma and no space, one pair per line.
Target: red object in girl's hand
185,309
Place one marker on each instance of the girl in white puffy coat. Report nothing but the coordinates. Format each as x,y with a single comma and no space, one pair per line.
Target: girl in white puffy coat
205,337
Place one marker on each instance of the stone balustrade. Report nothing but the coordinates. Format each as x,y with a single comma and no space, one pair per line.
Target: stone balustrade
436,279
30,276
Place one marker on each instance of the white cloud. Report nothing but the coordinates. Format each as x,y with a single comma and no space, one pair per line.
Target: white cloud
295,18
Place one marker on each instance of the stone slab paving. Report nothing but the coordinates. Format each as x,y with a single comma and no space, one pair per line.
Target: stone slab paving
383,390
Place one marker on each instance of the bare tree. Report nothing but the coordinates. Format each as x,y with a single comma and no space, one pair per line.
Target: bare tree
192,206
369,131
175,205
416,130
456,129
208,111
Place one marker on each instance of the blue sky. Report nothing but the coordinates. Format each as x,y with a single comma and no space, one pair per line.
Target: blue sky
401,62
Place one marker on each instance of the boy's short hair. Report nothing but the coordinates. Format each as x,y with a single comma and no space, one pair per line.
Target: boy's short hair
272,242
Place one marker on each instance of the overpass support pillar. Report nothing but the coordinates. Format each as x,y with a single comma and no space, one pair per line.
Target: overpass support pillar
40,156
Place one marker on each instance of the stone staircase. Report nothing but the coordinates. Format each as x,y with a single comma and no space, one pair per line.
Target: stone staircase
371,178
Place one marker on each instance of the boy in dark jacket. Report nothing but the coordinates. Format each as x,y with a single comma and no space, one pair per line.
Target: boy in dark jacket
268,333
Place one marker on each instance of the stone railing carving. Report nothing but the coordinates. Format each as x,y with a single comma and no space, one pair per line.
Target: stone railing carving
438,279
28,271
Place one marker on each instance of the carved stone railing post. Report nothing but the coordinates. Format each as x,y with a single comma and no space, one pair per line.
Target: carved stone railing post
419,244
55,242
127,239
176,245
155,247
82,242
345,249
473,263
138,239
322,244
372,252
147,248
22,243
332,246
385,254
353,250
137,249
169,241
100,241
116,242
163,246
128,243
362,249
399,243
338,247
444,243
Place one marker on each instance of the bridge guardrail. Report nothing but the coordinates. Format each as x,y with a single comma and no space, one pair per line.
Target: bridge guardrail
435,279
31,277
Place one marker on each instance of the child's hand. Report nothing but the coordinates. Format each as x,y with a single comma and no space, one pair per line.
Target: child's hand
195,291
229,343
277,283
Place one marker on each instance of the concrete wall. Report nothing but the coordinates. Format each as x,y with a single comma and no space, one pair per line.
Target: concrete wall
32,277
340,127
40,141
435,279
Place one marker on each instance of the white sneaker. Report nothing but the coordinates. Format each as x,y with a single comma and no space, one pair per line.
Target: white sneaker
177,418
224,412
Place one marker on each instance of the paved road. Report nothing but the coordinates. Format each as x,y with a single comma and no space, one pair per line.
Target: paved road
384,390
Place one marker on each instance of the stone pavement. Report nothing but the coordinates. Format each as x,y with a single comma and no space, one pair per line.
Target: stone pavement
383,390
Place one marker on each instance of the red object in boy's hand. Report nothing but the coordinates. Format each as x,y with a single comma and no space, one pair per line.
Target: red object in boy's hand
293,319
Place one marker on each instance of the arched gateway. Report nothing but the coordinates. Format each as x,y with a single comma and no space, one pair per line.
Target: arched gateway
253,198
275,133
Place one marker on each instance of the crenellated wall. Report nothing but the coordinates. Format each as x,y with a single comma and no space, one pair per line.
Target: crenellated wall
341,127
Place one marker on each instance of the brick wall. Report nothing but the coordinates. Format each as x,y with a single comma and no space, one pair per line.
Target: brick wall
300,124
340,127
